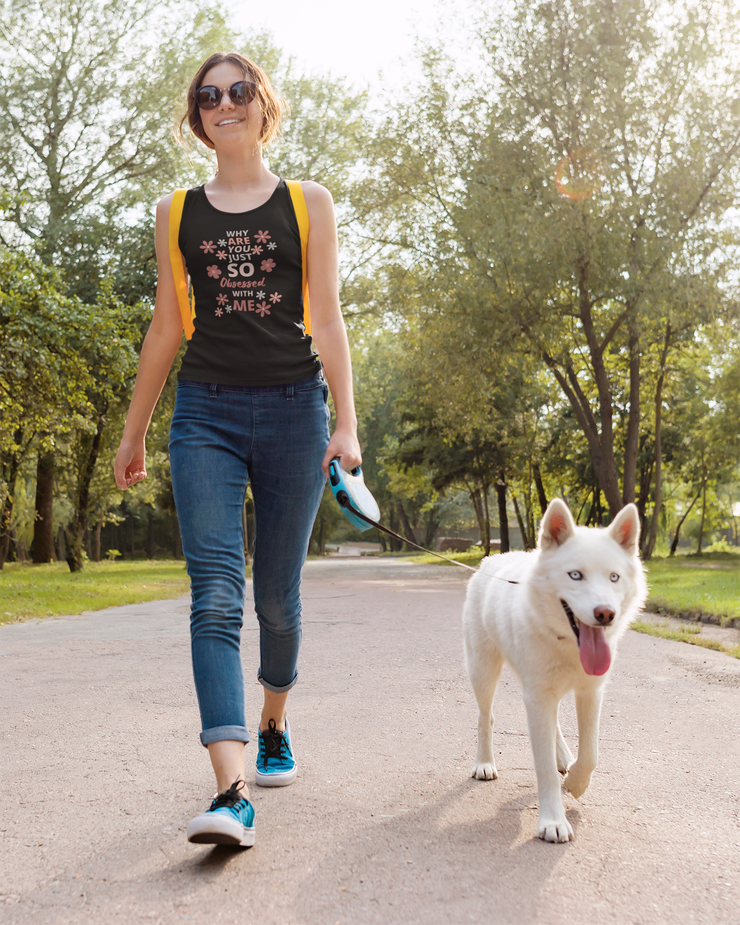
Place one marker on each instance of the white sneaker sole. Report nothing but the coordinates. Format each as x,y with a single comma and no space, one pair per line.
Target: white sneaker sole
217,829
279,779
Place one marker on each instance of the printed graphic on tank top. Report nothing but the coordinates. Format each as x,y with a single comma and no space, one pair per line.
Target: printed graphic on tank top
246,274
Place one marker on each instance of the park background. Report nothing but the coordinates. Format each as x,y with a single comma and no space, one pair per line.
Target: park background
539,262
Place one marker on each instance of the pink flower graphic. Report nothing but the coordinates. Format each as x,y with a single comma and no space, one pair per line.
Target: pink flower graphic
262,309
262,237
213,271
222,255
207,247
222,298
256,249
275,297
267,266
219,312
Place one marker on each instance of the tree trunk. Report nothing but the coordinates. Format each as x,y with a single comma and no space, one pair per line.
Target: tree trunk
522,529
541,496
406,523
78,528
600,444
657,499
703,515
486,522
503,517
532,533
43,526
395,544
150,534
674,544
475,500
646,481
11,464
61,546
633,419
431,529
98,530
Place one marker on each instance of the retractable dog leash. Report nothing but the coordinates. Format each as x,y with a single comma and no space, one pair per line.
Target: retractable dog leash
361,509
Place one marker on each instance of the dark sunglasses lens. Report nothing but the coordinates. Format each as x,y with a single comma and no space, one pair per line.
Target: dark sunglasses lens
242,93
208,97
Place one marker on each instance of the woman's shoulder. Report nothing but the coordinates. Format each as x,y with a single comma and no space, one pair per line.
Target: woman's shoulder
316,193
165,203
319,202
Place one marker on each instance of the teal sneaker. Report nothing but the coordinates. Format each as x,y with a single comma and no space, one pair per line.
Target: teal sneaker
229,821
275,762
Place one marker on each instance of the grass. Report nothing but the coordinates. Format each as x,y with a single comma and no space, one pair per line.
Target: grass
696,585
52,590
472,557
688,634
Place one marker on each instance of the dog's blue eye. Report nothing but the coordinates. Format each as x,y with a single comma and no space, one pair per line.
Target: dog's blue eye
614,576
576,576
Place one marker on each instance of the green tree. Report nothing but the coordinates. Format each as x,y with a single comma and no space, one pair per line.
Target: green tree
570,198
43,378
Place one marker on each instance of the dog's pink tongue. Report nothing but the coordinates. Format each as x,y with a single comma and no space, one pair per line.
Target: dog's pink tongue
594,650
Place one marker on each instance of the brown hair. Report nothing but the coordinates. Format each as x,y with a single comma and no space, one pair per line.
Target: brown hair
271,104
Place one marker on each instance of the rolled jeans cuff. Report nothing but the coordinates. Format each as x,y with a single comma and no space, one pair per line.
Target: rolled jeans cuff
224,734
272,687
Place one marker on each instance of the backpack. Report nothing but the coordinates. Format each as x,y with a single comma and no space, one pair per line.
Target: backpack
187,305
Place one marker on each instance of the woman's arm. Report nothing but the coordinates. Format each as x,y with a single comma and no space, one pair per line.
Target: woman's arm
327,324
159,349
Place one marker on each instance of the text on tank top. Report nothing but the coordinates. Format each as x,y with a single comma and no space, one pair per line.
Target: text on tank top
246,273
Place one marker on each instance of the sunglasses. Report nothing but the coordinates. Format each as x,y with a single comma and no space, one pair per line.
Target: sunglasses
241,93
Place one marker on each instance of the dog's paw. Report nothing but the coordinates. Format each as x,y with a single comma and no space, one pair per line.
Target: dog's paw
577,780
565,758
554,830
485,771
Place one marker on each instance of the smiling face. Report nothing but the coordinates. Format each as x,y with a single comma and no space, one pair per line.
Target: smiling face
229,124
592,580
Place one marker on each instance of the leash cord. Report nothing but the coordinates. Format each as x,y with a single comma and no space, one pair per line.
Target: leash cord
345,502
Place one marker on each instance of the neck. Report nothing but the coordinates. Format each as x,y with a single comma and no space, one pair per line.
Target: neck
240,169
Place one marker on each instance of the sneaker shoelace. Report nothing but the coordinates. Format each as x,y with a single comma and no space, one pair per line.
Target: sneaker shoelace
274,742
231,797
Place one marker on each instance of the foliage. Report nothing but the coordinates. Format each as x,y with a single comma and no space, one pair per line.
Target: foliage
582,276
43,377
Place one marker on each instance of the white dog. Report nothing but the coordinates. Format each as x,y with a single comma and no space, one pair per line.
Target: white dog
555,614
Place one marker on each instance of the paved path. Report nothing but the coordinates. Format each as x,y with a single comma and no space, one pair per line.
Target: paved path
101,771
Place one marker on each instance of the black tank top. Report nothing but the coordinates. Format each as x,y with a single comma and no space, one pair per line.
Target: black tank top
246,273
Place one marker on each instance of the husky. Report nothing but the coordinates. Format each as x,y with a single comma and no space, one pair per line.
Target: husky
555,615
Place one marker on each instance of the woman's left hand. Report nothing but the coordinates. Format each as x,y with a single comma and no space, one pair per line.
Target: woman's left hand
345,445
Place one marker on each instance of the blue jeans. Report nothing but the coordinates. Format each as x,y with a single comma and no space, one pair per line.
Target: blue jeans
223,437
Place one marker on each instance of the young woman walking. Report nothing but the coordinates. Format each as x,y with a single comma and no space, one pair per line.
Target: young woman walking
251,407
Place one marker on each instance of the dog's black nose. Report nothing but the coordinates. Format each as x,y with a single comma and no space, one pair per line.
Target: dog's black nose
604,615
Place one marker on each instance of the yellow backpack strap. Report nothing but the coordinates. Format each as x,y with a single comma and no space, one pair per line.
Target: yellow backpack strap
301,213
187,311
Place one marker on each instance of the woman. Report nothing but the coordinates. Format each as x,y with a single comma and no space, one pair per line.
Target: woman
251,407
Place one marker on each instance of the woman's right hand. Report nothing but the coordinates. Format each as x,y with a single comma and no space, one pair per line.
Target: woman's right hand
130,465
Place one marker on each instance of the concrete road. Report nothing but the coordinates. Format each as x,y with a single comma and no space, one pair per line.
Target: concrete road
101,771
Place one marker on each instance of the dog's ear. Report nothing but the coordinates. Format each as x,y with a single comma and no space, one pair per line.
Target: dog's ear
625,529
557,525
